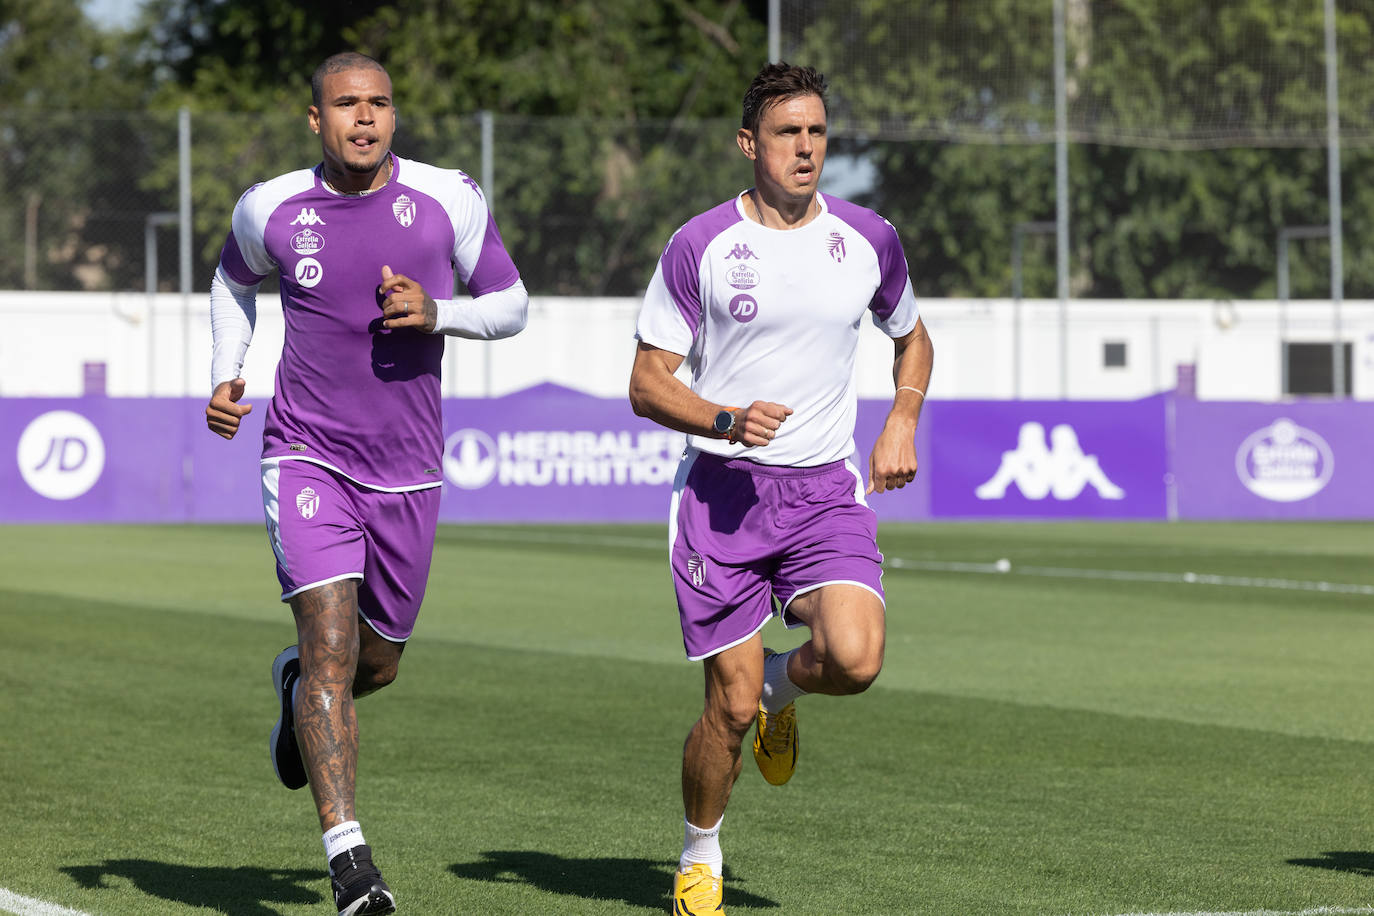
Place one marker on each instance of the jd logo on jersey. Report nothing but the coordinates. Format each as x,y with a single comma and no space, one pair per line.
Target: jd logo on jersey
743,308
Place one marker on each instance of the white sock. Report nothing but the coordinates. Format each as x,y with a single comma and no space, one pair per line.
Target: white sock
342,838
700,845
778,689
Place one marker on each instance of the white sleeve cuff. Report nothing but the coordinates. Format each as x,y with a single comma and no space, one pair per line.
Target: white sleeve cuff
490,316
233,313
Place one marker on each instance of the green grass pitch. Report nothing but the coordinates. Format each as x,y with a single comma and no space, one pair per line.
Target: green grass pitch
1135,718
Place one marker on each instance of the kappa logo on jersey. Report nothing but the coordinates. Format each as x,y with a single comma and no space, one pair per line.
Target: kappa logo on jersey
743,308
742,252
404,209
309,272
836,246
696,568
307,217
471,182
307,241
307,503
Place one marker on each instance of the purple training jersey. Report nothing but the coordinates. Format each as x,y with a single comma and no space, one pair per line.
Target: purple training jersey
351,395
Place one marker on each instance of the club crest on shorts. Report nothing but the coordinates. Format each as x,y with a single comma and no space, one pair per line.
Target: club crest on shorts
696,568
307,503
404,209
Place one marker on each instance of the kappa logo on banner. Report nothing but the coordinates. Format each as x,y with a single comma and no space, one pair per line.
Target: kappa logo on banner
307,503
61,455
1284,462
1057,468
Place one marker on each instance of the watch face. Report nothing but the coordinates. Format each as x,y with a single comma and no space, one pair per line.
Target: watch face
724,420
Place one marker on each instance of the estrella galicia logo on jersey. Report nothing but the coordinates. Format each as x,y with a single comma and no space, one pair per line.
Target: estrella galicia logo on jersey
309,272
742,276
307,503
1284,462
743,308
307,241
742,252
470,459
404,209
836,246
307,217
696,568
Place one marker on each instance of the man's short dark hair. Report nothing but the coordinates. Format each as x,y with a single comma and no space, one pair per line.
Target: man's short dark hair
776,83
338,63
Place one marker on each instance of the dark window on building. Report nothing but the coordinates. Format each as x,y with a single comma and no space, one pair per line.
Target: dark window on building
1308,368
1114,354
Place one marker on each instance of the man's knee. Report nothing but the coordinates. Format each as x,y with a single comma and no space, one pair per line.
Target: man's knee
374,674
853,668
734,712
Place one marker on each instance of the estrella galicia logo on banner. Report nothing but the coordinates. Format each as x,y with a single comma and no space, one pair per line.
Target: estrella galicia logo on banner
1284,462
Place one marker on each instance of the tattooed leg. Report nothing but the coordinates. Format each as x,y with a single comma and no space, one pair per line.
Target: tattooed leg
326,722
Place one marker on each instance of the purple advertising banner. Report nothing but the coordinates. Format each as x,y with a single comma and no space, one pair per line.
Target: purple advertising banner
550,454
1300,460
1049,459
546,454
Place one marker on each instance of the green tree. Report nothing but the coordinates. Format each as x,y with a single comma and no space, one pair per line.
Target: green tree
75,169
1197,133
596,105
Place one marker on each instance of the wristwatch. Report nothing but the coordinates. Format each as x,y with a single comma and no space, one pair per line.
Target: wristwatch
725,424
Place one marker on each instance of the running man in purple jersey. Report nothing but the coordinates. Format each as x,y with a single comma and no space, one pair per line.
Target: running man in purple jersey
365,245
764,296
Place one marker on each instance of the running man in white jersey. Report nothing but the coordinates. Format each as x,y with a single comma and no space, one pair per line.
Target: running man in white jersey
764,296
365,245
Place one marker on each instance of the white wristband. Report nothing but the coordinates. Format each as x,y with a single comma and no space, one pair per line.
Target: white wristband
909,388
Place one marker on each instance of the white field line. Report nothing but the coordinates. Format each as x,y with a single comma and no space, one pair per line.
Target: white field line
999,568
20,905
1316,911
1004,567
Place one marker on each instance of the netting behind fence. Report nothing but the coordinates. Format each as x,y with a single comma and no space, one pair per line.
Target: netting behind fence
1168,73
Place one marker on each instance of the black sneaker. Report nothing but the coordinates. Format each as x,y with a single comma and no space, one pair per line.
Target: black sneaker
286,754
358,887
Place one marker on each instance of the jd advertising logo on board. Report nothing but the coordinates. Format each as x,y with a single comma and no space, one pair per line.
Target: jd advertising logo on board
543,458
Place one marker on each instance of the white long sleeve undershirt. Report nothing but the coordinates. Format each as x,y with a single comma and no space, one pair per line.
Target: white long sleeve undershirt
233,315
490,316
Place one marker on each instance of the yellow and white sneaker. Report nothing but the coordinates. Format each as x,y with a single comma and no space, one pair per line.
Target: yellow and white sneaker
697,892
775,743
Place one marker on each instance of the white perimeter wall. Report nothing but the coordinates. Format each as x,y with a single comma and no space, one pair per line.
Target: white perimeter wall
984,348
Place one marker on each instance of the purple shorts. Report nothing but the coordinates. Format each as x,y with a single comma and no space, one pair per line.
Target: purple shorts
744,535
324,527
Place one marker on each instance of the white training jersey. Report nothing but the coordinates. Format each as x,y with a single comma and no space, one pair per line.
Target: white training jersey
766,314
